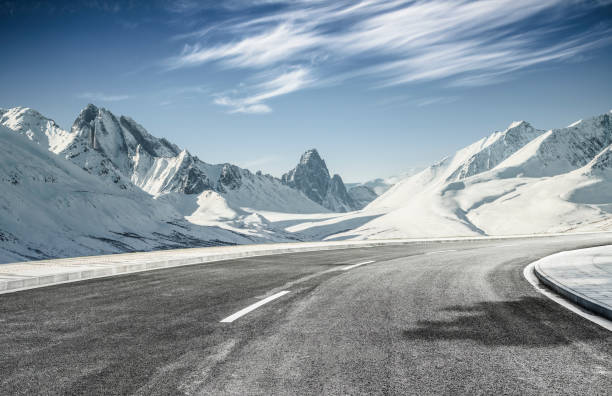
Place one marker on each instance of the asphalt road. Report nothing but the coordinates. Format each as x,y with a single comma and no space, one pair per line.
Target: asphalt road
428,318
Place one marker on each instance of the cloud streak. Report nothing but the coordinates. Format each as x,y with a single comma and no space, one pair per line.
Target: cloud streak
276,85
391,42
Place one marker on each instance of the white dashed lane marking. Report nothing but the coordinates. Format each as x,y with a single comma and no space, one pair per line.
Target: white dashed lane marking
253,307
356,265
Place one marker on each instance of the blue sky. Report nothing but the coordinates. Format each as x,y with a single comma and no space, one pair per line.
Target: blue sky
377,86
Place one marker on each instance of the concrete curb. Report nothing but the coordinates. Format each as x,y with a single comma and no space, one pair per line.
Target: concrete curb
572,295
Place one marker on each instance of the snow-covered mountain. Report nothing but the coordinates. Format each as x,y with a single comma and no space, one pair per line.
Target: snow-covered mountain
51,207
221,195
518,181
108,185
478,157
121,150
311,177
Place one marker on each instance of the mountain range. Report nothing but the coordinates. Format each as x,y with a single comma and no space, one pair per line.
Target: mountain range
521,180
107,185
106,165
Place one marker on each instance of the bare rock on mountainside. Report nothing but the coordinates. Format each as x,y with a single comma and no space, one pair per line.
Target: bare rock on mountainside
312,177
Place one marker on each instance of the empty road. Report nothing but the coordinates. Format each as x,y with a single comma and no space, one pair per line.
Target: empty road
420,318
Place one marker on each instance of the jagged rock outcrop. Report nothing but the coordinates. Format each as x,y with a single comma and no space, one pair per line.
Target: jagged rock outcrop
337,197
312,178
230,178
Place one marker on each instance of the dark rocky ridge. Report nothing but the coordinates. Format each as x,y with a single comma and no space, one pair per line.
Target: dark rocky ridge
312,178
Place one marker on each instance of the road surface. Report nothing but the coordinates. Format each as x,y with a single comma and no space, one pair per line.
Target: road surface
426,318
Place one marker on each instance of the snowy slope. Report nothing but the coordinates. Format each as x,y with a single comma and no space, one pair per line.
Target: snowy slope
518,181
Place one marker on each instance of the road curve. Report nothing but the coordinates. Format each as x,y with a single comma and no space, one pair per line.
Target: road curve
426,318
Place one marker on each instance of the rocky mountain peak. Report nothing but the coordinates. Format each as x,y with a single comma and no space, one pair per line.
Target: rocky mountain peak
85,119
517,124
312,157
230,177
312,178
89,112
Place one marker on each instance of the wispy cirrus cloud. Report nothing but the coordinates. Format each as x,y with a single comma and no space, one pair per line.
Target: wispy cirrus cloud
102,97
251,100
470,65
239,106
270,47
464,42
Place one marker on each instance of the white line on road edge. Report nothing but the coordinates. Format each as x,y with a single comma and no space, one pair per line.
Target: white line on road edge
529,274
356,265
253,307
441,251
